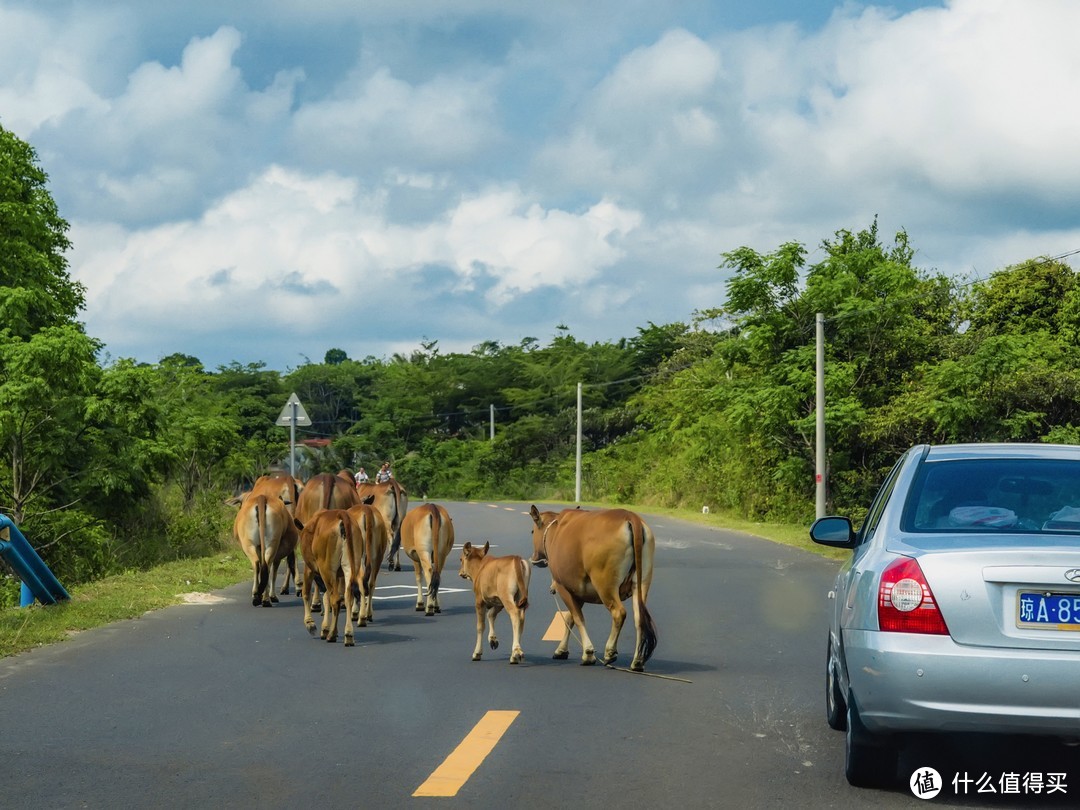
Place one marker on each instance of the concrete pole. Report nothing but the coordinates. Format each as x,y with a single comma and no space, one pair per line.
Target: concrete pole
819,464
577,473
492,438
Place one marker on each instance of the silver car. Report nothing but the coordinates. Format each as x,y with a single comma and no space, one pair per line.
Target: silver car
959,610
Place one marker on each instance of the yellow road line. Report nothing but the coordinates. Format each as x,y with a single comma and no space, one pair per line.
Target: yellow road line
456,769
557,629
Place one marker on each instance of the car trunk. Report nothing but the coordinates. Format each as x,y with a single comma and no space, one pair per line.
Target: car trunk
1018,591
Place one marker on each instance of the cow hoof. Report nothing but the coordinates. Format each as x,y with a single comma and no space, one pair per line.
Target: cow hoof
285,591
274,599
419,608
637,666
476,657
561,656
311,629
255,601
267,603
350,641
438,610
429,612
588,662
609,659
397,567
494,642
316,608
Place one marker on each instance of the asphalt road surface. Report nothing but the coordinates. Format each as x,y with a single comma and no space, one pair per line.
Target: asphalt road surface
219,703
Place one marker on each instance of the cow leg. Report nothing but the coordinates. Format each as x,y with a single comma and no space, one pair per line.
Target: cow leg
272,584
290,574
517,624
479,630
350,605
562,652
305,592
330,615
493,611
419,586
588,652
618,617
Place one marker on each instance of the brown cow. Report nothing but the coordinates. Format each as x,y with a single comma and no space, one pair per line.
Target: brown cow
599,557
333,558
324,491
498,582
375,537
264,528
284,486
392,500
427,535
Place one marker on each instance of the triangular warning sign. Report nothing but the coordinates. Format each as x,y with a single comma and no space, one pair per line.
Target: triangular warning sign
292,409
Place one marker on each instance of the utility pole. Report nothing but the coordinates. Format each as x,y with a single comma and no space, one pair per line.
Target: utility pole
577,471
492,437
819,461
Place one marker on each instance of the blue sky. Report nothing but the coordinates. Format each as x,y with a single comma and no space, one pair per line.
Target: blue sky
263,181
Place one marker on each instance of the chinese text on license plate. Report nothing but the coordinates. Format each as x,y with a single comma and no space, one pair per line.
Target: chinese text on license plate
1050,611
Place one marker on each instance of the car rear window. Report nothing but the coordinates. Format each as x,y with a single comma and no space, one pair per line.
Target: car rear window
994,495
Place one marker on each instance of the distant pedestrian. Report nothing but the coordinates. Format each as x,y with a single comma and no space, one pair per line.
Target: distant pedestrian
361,477
384,474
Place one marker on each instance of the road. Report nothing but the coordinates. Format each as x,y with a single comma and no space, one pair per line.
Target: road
223,704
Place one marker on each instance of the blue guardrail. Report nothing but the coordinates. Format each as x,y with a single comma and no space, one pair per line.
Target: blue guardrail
38,581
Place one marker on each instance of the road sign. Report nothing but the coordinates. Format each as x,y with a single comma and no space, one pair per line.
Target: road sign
292,409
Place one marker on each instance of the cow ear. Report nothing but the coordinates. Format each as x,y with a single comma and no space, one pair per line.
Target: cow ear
534,513
467,547
299,525
487,545
370,499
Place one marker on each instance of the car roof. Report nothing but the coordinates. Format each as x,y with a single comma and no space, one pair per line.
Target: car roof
1002,450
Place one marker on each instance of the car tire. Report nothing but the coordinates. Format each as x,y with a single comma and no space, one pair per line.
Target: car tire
870,760
835,705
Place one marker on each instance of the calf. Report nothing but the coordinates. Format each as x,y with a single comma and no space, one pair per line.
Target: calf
333,557
498,583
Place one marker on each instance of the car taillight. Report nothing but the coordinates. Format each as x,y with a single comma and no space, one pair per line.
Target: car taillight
905,602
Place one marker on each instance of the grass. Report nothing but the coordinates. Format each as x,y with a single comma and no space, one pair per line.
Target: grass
122,596
131,594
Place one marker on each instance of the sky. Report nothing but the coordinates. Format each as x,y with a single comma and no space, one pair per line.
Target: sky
259,181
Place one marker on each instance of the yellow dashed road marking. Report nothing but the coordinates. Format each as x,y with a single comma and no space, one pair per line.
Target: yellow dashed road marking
456,769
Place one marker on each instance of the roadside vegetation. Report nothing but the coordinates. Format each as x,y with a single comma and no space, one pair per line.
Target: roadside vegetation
110,466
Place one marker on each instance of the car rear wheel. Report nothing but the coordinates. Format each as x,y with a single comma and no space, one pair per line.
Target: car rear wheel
870,759
835,705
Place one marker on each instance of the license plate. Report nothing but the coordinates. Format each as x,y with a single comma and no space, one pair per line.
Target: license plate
1048,611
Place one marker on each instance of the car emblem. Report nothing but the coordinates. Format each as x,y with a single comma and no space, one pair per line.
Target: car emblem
1073,575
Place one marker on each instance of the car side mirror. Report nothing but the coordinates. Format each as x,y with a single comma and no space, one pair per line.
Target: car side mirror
836,532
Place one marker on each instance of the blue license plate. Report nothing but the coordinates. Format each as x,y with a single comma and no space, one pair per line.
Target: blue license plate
1048,611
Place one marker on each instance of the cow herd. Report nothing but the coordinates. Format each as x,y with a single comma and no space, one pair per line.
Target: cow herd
344,532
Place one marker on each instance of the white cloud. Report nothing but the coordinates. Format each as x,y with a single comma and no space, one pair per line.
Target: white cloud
312,250
380,117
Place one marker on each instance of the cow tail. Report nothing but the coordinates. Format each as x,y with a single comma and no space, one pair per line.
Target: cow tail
648,626
436,572
264,565
345,532
521,568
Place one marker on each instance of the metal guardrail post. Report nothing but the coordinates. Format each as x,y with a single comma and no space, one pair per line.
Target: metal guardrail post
38,582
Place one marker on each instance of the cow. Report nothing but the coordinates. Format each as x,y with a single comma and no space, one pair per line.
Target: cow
498,583
265,531
284,486
324,491
375,537
333,559
392,500
427,535
600,557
